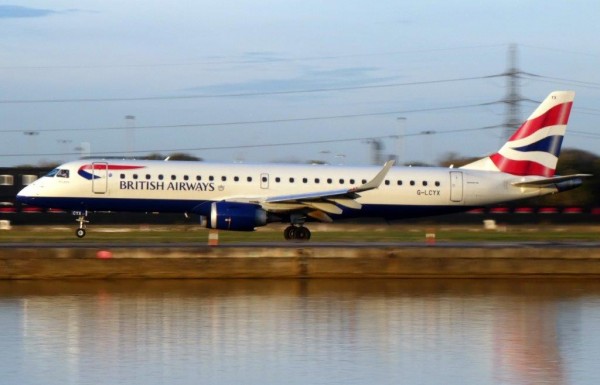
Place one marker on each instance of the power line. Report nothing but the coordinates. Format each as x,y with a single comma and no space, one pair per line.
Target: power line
554,49
235,95
253,122
231,147
257,58
550,79
266,145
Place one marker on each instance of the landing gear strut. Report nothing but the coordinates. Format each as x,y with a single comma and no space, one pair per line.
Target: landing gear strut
81,215
300,233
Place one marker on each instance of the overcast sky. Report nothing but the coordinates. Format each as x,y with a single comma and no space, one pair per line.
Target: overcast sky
236,80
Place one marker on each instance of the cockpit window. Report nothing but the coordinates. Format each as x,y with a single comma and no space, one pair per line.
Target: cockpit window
52,173
62,173
59,173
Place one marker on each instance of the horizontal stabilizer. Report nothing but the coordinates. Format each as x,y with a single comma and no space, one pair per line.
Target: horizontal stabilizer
548,182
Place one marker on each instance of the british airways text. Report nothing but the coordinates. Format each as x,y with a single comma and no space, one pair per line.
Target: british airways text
163,186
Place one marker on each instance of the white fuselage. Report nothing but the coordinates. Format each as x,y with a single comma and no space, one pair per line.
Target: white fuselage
170,186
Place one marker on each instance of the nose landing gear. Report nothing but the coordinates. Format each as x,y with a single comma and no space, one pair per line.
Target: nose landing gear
81,215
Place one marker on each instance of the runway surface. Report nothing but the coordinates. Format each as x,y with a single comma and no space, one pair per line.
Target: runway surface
307,245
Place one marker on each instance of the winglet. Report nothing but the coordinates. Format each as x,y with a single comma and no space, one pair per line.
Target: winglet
375,182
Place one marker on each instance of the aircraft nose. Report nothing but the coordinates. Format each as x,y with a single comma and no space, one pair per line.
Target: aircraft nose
26,195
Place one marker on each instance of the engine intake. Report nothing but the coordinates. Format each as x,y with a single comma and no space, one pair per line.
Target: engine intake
235,216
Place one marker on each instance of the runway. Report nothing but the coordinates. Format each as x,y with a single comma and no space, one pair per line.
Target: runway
307,245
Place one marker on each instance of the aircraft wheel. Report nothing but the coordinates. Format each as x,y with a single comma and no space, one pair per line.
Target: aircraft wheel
303,234
300,233
289,232
80,233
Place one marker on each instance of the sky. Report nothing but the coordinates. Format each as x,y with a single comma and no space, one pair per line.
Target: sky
286,81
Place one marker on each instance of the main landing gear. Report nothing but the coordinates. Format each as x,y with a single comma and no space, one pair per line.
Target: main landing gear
296,229
81,215
299,233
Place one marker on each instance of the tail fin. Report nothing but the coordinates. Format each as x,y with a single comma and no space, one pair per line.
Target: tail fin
534,147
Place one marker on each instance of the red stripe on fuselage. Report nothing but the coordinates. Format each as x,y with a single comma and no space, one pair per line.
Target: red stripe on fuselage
100,166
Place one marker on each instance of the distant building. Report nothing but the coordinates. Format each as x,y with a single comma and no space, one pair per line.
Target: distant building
12,180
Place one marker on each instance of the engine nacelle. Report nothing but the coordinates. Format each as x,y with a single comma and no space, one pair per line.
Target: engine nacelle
235,216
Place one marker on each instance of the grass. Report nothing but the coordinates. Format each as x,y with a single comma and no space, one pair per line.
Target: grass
320,233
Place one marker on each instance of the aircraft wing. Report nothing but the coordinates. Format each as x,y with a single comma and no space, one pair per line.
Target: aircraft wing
321,202
549,182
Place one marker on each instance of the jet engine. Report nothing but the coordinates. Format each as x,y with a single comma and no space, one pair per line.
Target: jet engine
235,216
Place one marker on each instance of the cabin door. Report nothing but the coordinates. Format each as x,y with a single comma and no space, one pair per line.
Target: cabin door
99,177
456,186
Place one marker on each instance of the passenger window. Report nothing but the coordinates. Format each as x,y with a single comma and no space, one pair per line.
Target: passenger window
224,178
185,177
236,178
424,183
317,180
364,181
135,176
399,183
173,177
291,180
278,179
161,177
412,182
304,180
341,181
211,178
249,179
198,177
387,182
148,177
352,181
329,180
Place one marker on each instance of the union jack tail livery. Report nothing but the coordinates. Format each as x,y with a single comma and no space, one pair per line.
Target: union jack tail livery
534,148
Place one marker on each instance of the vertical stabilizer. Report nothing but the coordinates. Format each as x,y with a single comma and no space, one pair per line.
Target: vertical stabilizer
534,148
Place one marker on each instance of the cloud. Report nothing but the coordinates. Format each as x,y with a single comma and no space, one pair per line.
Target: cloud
310,80
18,12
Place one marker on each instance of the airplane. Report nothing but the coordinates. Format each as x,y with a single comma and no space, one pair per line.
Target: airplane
243,197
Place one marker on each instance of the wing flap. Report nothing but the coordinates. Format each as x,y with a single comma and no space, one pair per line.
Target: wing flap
327,207
350,203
